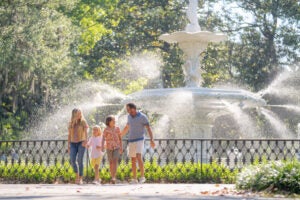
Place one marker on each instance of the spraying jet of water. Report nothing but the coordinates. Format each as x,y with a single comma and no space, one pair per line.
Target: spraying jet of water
279,127
292,108
87,96
244,121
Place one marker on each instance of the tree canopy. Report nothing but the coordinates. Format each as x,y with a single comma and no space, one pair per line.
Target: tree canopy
47,45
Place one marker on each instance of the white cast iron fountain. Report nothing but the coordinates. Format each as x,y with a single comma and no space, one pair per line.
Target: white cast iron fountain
190,111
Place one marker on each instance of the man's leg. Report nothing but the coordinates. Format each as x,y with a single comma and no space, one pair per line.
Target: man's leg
133,166
132,155
141,163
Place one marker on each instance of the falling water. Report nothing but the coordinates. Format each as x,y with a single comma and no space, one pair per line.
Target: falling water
244,121
292,108
162,127
286,85
87,96
279,127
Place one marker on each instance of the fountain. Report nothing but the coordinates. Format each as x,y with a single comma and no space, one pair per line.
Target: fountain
192,110
187,112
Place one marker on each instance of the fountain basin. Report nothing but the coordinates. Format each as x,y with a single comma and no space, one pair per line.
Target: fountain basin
192,111
191,37
202,97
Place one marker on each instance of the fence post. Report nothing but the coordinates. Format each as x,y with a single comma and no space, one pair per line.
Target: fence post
87,165
201,155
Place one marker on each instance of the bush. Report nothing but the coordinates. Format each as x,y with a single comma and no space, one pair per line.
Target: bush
170,173
276,175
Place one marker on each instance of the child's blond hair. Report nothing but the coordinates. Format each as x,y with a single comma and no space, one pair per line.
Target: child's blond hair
98,128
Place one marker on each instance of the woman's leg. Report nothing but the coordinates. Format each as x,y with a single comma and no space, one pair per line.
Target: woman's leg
81,151
73,155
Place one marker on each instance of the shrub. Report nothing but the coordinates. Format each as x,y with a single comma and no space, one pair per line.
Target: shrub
171,173
276,175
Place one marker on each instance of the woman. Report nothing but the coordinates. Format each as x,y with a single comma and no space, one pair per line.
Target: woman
77,138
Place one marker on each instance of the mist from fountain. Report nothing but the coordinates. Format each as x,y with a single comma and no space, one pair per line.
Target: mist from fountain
92,97
248,129
281,130
285,85
87,96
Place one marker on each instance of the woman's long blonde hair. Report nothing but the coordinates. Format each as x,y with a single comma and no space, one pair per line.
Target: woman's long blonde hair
73,120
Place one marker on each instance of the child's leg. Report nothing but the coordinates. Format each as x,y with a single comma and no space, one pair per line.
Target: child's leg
111,169
96,168
115,168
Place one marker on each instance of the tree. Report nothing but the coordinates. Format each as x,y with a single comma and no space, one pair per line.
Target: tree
35,39
265,38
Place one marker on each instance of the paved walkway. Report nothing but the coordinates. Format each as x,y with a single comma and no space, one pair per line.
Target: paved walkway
122,191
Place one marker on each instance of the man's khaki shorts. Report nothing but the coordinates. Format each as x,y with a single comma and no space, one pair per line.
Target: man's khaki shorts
136,148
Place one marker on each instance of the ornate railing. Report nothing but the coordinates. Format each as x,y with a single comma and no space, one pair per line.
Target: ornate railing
50,157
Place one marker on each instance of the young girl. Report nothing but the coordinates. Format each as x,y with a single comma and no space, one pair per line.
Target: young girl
95,143
112,136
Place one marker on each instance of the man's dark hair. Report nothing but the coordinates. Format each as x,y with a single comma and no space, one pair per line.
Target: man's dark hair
109,119
131,106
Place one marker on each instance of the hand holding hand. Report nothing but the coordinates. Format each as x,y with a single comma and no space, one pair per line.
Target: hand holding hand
98,147
84,144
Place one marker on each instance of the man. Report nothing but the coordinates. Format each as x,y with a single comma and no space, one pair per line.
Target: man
136,124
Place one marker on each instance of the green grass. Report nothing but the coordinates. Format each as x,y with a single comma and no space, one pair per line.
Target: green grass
170,173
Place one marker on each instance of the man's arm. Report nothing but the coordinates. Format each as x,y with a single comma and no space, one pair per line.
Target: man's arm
125,130
150,135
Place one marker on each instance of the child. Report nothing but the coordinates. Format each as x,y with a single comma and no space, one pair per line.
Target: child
112,136
95,142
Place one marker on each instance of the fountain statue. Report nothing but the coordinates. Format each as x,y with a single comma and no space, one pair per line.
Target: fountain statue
191,13
193,42
191,111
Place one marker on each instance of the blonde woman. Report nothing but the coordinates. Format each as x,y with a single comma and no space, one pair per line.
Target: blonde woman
77,139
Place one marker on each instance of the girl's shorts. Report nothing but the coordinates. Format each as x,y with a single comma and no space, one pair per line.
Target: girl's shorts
113,154
96,161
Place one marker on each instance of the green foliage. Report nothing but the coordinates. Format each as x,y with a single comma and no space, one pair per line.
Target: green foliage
36,173
36,59
171,173
277,175
47,45
265,38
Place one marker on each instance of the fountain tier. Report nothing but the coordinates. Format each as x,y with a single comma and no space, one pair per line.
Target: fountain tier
192,111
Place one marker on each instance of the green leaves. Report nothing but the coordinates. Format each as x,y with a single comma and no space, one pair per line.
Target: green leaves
278,175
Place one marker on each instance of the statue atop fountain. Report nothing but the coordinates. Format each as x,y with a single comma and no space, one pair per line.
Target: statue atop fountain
193,42
191,14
